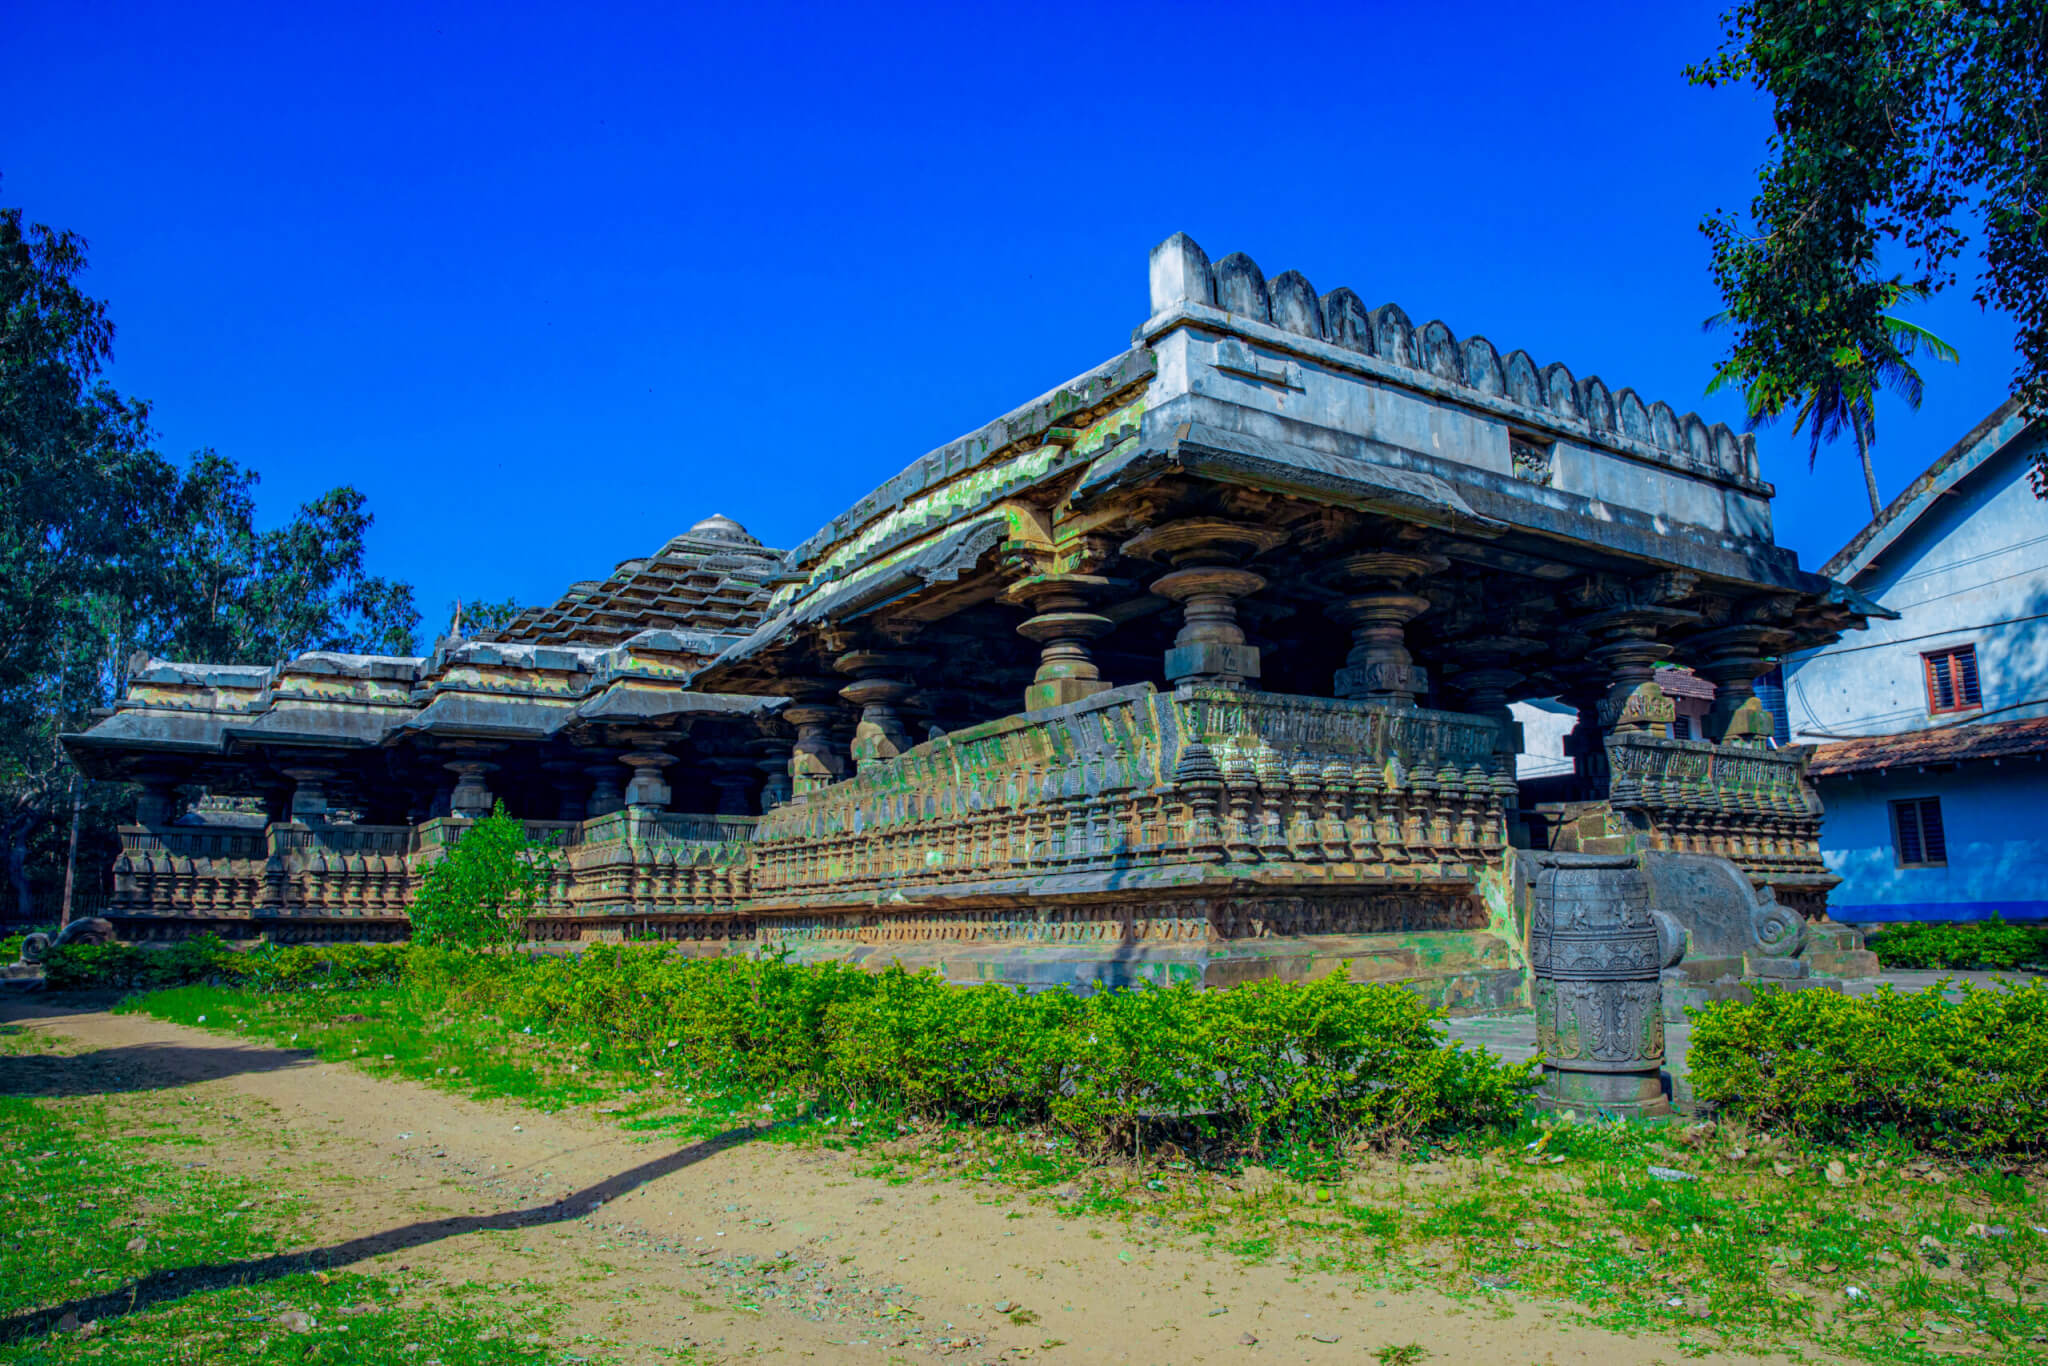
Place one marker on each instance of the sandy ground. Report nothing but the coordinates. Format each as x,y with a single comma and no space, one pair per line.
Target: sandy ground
654,1247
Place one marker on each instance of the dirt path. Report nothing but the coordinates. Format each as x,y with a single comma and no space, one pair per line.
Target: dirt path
654,1247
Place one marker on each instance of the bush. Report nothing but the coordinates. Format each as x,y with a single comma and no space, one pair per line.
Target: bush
1966,1077
480,893
1246,1069
1989,944
206,958
1243,1071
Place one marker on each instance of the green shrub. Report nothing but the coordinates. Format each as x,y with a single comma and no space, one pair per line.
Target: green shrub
1965,1076
1244,1071
1247,1069
1989,944
480,893
205,958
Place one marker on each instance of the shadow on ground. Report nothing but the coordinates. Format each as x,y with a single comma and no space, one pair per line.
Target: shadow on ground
164,1287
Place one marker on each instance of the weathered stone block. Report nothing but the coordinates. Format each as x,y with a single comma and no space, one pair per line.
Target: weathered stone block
1212,659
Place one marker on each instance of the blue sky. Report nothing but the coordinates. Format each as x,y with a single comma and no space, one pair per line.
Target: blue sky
551,283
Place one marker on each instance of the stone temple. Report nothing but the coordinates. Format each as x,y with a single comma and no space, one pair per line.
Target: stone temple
1195,668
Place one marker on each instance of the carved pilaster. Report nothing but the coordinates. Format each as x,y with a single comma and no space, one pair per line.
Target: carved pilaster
1207,581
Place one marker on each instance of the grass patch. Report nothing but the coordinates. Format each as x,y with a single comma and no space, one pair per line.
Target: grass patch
1869,1250
110,1256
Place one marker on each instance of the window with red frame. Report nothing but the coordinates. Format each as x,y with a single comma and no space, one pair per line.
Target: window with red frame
1952,679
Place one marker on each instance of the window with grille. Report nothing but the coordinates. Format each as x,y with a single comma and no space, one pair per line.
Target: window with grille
1952,679
1917,839
1681,728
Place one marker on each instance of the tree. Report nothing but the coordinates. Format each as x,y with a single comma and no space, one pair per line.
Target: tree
238,595
482,618
481,893
1843,396
1897,125
107,548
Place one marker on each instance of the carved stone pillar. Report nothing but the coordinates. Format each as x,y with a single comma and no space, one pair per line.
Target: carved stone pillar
309,794
1595,950
1207,581
1733,663
1063,626
571,788
775,756
157,803
606,794
647,791
816,760
1379,667
732,776
1629,652
878,690
471,799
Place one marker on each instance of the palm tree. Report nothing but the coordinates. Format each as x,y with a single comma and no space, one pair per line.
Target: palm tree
1842,396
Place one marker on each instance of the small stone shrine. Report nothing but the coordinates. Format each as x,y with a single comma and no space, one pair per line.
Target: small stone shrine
1195,668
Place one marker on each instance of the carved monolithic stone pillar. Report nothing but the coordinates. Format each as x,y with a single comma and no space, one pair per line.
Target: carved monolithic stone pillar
1207,580
157,803
1595,951
1379,667
647,791
1629,651
878,690
471,799
566,777
1062,625
309,794
774,762
606,793
1733,663
815,760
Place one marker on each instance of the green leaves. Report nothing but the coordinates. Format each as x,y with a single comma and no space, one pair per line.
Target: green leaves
1898,123
1979,944
481,892
1965,1076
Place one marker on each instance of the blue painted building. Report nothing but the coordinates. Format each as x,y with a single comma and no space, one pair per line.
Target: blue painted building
1932,729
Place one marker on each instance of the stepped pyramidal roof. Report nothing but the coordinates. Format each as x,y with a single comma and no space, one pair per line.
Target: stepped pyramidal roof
713,578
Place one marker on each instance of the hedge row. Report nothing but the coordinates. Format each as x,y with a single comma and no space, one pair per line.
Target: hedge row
1968,1076
129,967
1989,944
1265,1064
1246,1070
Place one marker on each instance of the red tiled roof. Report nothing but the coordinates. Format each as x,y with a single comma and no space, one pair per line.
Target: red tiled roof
1942,745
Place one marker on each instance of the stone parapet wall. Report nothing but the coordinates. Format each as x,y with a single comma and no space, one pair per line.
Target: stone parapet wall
1140,789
